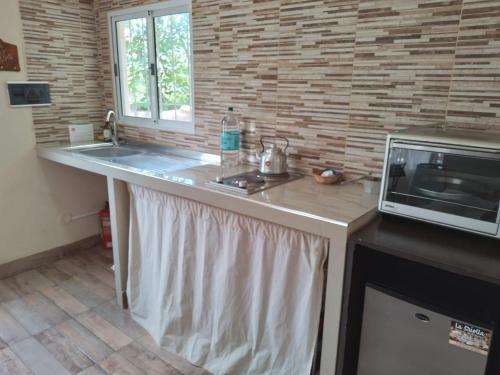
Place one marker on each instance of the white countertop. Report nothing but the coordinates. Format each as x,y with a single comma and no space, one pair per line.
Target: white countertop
302,204
331,211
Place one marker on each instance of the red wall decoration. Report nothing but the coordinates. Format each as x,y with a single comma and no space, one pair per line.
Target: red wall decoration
9,59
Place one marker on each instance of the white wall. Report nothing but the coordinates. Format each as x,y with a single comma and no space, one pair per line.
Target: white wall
34,194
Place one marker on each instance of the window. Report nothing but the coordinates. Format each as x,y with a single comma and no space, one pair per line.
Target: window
152,59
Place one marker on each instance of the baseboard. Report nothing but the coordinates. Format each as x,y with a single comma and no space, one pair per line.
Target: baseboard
48,256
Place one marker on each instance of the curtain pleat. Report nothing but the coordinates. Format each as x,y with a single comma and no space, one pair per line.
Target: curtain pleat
229,293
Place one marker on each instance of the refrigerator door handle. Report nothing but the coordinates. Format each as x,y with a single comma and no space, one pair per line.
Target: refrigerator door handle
422,317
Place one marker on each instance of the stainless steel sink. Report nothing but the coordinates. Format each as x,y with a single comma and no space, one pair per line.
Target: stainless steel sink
144,157
110,152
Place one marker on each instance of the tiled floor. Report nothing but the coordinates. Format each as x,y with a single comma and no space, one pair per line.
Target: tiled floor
61,319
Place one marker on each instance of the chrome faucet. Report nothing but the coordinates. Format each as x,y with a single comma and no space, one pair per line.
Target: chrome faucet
114,128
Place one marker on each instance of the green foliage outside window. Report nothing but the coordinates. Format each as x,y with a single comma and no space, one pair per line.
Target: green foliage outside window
173,51
173,62
136,47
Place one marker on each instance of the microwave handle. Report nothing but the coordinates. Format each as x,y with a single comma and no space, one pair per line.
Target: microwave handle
447,149
498,215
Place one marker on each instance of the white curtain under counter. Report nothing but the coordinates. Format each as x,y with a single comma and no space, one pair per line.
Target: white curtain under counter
232,294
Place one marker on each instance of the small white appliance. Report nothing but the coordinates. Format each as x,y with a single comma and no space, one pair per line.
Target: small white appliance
446,177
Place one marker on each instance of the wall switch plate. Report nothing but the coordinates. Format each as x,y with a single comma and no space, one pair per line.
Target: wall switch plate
80,133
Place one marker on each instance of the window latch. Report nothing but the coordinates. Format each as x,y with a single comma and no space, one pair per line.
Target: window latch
152,67
115,68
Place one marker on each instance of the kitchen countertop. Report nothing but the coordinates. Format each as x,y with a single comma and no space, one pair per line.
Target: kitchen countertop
330,211
459,252
311,206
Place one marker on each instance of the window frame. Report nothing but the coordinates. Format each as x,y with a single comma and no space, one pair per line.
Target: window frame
149,12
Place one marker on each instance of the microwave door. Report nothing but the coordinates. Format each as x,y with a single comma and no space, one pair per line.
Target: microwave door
464,185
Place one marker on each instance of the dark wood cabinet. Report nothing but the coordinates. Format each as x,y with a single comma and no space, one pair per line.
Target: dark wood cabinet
453,271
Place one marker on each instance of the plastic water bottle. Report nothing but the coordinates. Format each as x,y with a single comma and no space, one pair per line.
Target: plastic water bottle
229,144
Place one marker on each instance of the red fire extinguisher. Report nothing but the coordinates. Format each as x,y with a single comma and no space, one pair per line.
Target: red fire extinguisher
105,227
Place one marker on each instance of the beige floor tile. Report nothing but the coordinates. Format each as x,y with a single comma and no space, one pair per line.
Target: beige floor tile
82,293
89,281
100,327
7,293
25,314
69,307
37,358
102,274
101,257
121,319
94,370
97,287
116,364
53,274
147,361
64,350
65,300
10,364
50,312
85,340
28,281
98,270
173,360
10,329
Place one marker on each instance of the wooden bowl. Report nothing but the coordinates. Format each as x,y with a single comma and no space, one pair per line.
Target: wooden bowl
328,180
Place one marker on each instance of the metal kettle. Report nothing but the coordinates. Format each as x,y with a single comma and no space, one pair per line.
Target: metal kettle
272,158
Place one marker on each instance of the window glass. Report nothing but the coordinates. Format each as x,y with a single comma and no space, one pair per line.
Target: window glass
152,61
133,62
173,55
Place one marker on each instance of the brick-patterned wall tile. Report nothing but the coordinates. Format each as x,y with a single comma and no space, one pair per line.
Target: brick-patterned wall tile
61,49
249,35
206,24
403,64
314,80
475,89
334,76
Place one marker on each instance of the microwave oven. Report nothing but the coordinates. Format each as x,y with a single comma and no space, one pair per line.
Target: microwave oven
445,177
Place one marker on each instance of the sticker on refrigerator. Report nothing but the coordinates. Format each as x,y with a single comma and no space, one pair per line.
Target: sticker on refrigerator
470,337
